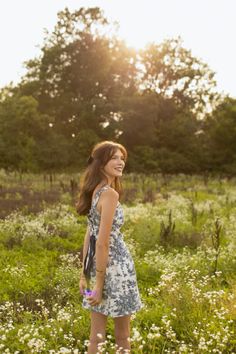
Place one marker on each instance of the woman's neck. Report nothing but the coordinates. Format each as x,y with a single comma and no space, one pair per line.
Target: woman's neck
109,183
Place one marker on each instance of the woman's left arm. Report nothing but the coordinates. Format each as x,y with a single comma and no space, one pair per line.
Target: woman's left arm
108,207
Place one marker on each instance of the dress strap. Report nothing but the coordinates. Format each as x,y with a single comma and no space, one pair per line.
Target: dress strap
98,193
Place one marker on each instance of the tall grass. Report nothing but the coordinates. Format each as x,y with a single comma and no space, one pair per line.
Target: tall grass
182,237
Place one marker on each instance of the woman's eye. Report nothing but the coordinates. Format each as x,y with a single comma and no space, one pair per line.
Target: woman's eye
115,157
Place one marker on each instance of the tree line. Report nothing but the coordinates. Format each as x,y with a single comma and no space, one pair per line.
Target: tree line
87,85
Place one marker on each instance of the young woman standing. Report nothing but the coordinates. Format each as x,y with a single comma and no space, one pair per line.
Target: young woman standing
108,267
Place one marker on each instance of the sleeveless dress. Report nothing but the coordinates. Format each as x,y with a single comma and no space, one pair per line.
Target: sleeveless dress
120,291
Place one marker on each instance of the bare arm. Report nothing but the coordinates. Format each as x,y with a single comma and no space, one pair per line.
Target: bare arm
108,206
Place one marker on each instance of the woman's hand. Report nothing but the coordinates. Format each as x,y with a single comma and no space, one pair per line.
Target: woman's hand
96,296
82,285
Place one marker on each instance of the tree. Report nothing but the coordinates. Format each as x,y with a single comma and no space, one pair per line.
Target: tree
19,124
88,86
80,147
52,152
81,74
156,130
170,70
220,132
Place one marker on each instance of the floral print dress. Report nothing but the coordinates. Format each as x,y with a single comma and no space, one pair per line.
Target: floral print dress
120,291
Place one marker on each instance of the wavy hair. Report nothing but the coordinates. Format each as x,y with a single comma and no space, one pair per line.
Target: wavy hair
101,153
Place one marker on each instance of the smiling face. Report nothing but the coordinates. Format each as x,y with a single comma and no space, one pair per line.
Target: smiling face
115,165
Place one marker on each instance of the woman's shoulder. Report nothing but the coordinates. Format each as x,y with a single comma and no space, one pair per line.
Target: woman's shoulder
110,193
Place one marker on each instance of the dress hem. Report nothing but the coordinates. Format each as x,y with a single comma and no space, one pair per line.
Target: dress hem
111,315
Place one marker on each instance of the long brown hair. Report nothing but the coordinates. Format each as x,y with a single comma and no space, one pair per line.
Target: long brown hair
92,176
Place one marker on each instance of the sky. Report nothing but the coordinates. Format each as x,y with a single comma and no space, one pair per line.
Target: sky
207,28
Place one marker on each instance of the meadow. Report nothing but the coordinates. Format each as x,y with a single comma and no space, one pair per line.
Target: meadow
181,232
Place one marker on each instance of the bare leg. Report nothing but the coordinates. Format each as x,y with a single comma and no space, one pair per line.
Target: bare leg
98,325
122,333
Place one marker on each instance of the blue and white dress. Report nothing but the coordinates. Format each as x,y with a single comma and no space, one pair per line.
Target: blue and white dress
120,291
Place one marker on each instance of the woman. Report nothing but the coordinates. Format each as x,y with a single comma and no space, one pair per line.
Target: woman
108,267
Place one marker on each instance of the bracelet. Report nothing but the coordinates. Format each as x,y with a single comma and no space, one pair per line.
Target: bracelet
100,271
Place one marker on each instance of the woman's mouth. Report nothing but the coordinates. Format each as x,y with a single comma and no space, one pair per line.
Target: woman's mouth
118,169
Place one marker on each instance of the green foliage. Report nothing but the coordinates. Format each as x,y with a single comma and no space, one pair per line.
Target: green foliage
143,159
81,145
166,231
24,277
146,234
87,86
170,70
19,124
221,132
187,308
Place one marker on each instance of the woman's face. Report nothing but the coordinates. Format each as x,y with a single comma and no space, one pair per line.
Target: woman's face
115,165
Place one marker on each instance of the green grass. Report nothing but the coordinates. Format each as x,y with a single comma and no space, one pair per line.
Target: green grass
187,307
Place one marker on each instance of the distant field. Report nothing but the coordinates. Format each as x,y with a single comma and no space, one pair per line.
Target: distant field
181,231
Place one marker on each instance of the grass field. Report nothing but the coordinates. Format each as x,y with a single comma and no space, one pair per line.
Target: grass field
181,231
